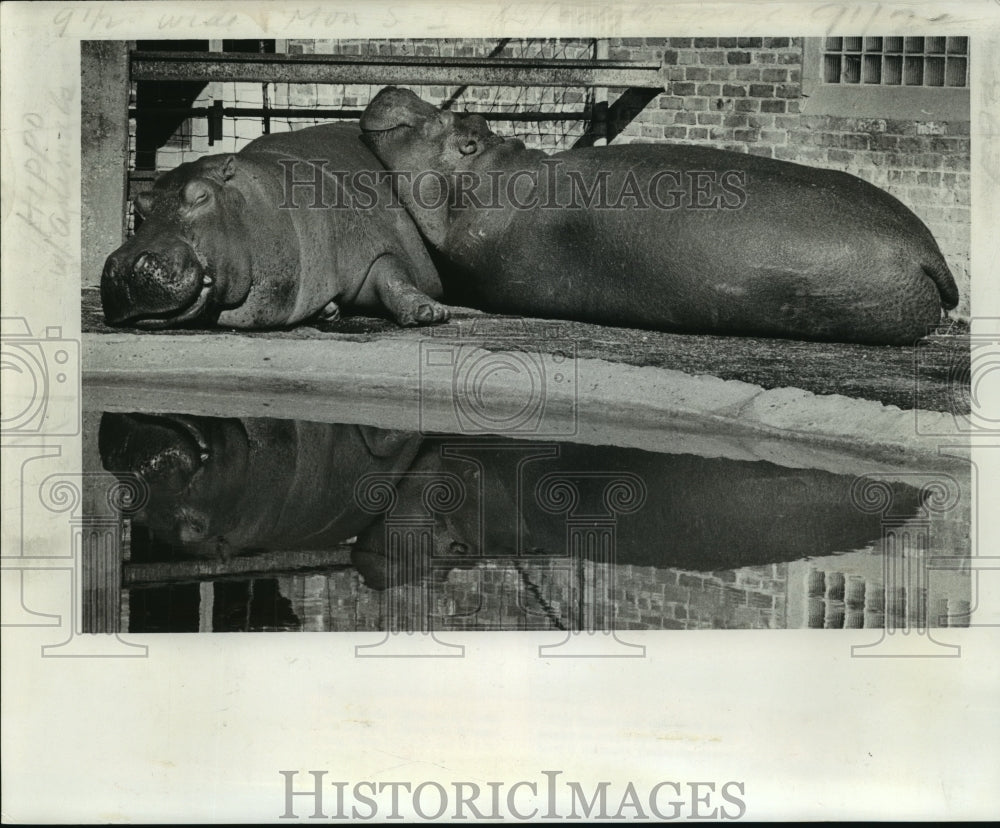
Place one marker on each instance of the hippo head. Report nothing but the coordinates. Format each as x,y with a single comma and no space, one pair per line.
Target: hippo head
195,469
219,485
411,135
189,258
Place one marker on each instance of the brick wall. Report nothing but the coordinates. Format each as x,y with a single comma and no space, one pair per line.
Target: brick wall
744,94
846,590
540,596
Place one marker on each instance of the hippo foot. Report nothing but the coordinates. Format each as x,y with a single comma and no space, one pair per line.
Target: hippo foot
408,304
426,312
330,313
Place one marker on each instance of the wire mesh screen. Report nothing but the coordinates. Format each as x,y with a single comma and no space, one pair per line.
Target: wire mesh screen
550,118
225,117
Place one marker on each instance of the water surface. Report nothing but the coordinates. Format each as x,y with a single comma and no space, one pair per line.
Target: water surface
256,524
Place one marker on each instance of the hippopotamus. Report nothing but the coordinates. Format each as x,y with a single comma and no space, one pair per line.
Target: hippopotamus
669,237
222,487
270,236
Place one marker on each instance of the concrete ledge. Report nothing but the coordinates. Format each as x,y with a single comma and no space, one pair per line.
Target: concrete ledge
922,376
392,383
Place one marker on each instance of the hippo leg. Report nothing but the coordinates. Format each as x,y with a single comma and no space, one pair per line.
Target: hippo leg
408,304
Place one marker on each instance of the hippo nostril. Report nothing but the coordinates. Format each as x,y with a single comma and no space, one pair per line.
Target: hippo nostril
150,265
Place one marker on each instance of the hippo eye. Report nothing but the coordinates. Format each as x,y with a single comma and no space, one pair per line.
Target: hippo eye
196,192
469,147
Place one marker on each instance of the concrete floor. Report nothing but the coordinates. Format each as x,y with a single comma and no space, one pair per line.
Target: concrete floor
924,377
845,408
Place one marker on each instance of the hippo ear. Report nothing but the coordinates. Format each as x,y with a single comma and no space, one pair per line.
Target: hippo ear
144,204
229,167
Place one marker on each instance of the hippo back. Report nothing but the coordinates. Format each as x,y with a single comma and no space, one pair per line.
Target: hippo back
307,219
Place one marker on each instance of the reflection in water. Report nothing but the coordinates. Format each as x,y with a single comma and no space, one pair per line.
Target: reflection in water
266,524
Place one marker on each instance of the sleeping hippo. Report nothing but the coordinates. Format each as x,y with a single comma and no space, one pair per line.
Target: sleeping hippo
220,487
668,237
250,241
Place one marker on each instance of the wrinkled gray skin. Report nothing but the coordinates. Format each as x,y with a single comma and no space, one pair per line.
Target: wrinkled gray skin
215,246
809,254
220,485
226,486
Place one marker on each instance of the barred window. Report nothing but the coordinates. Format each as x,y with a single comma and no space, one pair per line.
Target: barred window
852,594
897,61
908,78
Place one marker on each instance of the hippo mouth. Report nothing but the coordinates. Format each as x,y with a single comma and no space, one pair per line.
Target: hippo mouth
193,311
168,450
158,288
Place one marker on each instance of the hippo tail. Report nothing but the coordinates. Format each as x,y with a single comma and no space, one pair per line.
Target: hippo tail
939,273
